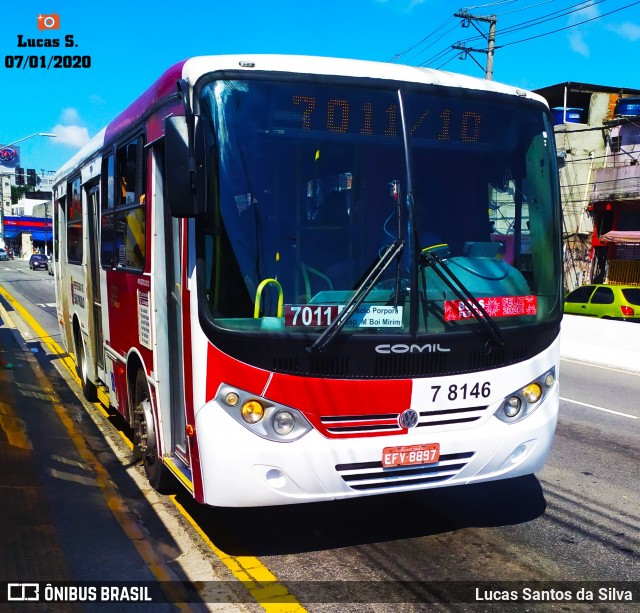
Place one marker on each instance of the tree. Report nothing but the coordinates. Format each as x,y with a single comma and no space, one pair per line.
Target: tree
17,191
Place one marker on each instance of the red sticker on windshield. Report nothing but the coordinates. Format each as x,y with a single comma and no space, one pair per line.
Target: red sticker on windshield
496,306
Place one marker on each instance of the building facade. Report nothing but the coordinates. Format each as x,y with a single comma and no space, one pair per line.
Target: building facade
584,132
25,226
615,200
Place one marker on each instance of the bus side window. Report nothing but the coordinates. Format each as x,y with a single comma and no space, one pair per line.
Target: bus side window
74,223
124,231
107,204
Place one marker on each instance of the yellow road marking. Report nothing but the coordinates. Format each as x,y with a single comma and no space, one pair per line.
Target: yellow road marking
254,575
114,501
247,569
14,428
41,333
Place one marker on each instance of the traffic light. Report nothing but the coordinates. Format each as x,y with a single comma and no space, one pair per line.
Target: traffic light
19,176
31,176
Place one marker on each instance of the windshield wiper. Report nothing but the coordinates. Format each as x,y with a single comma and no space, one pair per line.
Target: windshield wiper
440,267
392,251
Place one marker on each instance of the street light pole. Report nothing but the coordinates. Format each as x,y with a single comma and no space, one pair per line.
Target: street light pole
47,134
15,142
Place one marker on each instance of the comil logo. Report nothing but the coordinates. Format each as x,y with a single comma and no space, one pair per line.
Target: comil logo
49,22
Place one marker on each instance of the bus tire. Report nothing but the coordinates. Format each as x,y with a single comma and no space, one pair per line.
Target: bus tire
88,388
145,443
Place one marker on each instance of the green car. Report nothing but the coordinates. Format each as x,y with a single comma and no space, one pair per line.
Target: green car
605,301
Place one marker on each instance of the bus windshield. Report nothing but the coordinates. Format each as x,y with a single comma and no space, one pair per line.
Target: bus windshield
312,184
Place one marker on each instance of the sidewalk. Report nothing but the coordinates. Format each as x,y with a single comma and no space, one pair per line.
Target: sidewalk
74,509
30,544
56,522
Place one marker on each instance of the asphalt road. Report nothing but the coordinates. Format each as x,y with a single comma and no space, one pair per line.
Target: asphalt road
578,520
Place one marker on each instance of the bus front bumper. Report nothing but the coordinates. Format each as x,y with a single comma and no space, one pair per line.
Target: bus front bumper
240,469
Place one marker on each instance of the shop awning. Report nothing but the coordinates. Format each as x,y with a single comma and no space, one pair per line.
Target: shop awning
39,227
37,235
622,236
41,235
11,232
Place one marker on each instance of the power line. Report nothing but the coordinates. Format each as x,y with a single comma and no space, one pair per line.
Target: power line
564,12
453,27
597,157
399,55
622,8
575,8
437,57
618,122
524,8
596,183
441,66
461,45
481,6
560,13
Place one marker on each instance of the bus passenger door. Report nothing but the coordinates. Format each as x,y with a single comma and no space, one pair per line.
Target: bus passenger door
60,263
93,213
167,247
174,328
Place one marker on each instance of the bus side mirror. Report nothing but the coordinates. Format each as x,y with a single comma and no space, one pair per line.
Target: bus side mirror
181,170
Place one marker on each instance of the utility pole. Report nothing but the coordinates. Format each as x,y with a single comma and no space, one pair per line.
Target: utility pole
468,20
5,201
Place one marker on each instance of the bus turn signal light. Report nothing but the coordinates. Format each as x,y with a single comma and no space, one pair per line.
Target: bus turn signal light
252,411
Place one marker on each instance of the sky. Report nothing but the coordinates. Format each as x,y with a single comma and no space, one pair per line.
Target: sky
126,45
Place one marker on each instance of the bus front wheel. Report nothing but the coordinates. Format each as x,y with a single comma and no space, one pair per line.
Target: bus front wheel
145,443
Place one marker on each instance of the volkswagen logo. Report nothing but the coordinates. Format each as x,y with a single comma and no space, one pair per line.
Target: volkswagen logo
408,419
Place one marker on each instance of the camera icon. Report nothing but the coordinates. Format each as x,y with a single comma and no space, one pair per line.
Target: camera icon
49,22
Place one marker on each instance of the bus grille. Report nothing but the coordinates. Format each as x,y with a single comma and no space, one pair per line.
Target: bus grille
426,364
362,424
371,475
399,366
388,423
450,416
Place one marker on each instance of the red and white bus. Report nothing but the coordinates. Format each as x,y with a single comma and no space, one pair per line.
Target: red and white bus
305,279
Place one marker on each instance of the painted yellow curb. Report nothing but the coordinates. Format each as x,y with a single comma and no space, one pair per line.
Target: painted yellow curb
247,569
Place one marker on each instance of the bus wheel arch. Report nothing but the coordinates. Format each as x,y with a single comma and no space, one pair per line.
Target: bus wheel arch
88,387
145,441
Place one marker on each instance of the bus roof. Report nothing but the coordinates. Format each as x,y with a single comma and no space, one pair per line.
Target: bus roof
194,68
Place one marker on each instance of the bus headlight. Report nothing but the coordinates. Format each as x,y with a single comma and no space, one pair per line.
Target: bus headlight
267,419
512,406
283,423
524,401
